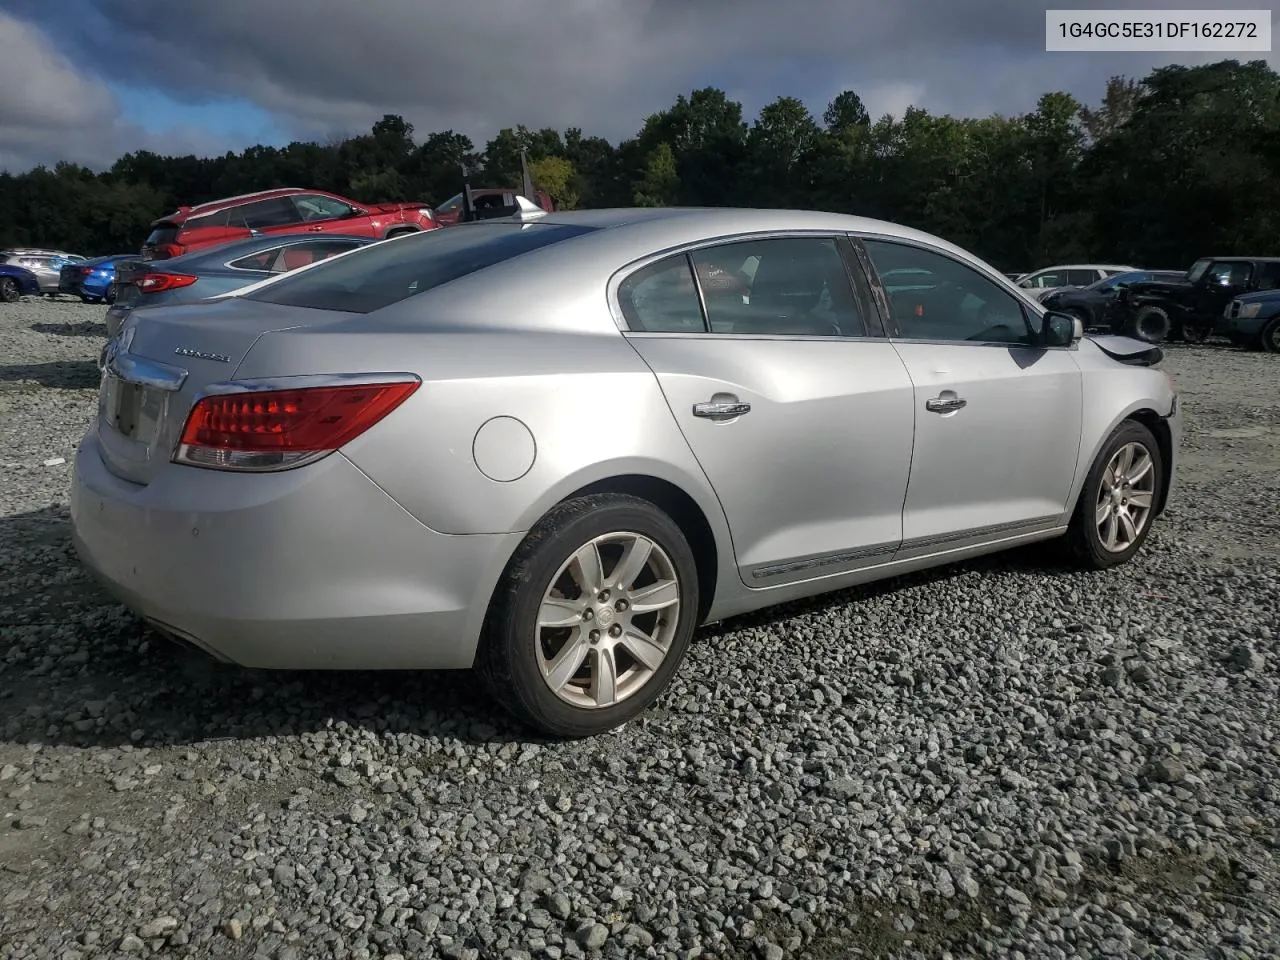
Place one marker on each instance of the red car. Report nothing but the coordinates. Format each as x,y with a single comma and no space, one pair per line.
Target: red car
489,202
287,210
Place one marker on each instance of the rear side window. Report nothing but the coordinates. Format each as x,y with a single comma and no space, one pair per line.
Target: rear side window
662,298
389,272
1081,278
1269,276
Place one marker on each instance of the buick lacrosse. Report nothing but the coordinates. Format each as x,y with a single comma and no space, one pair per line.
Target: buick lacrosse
549,447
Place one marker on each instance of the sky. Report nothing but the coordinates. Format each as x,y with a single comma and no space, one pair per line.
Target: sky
89,80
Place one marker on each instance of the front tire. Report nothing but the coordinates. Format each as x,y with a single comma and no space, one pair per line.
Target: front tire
1269,339
592,616
1149,324
9,292
1117,505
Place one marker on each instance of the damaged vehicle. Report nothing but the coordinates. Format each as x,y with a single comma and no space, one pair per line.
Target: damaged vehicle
397,459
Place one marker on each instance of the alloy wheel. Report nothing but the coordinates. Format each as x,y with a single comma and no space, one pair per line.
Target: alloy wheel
608,620
1125,497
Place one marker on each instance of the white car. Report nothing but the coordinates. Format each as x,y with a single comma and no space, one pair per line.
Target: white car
1044,281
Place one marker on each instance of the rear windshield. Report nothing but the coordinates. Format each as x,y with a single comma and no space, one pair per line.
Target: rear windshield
389,272
165,233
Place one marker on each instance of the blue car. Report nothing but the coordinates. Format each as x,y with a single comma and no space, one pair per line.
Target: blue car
210,272
93,280
1253,320
17,282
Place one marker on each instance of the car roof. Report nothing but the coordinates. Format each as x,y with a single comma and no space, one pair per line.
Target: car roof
1242,259
182,214
722,221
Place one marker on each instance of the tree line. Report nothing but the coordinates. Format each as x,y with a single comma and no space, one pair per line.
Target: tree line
1180,164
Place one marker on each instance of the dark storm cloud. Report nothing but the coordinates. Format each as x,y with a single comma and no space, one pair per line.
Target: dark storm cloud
327,67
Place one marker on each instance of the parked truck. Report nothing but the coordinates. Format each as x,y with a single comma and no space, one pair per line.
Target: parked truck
1188,308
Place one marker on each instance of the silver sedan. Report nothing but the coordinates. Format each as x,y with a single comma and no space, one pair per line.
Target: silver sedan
550,447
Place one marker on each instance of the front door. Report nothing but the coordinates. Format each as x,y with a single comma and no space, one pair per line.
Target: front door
1223,282
998,418
321,214
798,411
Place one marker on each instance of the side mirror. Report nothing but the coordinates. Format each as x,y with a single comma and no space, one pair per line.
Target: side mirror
1061,329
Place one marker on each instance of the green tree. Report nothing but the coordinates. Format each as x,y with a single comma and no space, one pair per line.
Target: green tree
660,185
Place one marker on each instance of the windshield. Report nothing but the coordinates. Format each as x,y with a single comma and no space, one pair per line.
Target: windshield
1107,284
164,233
1197,269
450,205
386,273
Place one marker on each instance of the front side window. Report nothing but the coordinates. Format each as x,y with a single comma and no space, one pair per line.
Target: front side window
1230,273
1081,278
312,207
386,273
947,300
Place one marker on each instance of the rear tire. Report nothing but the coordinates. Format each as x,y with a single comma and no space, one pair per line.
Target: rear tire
1149,324
1197,331
1269,339
576,647
1117,504
9,292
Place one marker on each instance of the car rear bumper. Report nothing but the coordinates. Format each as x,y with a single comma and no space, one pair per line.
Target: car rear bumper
314,568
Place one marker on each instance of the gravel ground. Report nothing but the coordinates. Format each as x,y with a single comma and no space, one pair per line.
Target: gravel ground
998,759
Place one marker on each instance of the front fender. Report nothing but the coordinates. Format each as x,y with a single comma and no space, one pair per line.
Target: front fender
1153,408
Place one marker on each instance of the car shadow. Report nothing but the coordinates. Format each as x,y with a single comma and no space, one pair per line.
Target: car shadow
78,670
85,329
58,374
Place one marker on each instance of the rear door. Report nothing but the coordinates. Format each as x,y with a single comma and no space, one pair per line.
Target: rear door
799,411
997,417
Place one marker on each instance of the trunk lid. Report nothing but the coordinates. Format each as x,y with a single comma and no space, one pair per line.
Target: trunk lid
163,358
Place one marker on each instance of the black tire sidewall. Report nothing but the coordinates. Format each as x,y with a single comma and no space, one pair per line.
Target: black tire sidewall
1142,319
1086,542
9,292
508,658
1267,338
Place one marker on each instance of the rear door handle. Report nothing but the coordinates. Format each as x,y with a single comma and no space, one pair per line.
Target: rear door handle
947,403
721,407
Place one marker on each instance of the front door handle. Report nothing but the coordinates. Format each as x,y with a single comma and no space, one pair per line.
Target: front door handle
946,403
721,407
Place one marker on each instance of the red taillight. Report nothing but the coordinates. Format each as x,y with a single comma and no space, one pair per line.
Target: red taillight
159,282
277,429
85,271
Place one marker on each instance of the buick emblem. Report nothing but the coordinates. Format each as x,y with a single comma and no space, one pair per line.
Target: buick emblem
201,355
